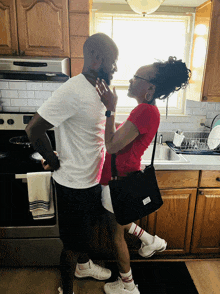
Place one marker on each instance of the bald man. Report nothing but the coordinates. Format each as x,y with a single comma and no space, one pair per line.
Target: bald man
78,117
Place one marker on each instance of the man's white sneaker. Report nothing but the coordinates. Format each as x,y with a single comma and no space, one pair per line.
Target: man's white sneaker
117,287
158,245
61,290
95,271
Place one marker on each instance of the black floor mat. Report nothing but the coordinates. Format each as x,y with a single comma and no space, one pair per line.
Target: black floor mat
159,277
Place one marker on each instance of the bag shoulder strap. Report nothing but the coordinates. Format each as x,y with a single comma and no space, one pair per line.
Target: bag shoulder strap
113,160
154,149
113,166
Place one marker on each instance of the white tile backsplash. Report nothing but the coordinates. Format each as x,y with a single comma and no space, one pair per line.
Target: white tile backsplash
4,85
23,96
18,85
189,111
26,96
5,102
211,106
34,86
51,86
198,111
212,114
18,102
42,94
28,109
35,102
9,94
11,109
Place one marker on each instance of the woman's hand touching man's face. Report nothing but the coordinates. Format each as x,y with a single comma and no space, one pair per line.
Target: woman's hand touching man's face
108,98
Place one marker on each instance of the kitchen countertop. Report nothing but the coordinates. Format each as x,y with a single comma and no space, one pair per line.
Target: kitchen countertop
193,162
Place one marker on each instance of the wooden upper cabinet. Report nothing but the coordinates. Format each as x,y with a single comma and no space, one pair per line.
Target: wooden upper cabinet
205,65
34,27
43,28
199,50
211,89
8,27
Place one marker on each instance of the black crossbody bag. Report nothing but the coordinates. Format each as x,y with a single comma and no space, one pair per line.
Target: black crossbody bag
136,195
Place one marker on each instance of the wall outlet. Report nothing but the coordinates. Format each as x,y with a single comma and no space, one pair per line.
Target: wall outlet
203,120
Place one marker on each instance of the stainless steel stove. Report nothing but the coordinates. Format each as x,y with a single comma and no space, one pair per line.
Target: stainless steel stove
23,241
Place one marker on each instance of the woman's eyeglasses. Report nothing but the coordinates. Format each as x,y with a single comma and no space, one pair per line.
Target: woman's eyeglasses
137,77
149,81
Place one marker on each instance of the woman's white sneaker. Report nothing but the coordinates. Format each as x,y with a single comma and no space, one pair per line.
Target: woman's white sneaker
117,287
95,271
158,245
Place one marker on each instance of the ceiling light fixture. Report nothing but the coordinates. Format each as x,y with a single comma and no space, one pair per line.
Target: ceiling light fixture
144,6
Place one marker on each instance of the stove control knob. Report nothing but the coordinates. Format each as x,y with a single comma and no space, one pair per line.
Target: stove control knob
10,121
1,121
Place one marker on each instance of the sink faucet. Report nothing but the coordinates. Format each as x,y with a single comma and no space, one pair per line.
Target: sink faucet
161,139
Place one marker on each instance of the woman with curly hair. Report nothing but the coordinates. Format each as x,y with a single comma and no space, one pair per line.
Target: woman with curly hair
156,81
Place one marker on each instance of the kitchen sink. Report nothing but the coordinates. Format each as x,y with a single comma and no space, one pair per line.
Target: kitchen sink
163,154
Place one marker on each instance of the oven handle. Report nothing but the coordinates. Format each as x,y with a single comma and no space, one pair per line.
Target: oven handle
23,176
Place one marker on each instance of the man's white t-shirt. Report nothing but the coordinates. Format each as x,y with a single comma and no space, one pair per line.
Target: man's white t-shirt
76,111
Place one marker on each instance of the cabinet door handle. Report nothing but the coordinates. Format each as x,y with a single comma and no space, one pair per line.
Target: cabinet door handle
14,52
22,53
218,179
201,192
204,98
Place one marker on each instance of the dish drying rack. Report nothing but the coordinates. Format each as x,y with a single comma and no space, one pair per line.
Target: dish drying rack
195,143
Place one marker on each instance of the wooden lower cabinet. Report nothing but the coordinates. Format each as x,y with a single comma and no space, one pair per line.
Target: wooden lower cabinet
206,229
189,219
174,220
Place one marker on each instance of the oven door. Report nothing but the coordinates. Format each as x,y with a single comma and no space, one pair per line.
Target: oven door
16,220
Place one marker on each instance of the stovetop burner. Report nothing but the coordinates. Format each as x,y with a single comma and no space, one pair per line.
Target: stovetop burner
3,154
16,158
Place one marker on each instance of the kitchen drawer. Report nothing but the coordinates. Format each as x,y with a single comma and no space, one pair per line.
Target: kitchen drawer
210,178
177,179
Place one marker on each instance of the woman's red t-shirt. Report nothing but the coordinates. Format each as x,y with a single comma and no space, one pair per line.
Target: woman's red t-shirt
147,119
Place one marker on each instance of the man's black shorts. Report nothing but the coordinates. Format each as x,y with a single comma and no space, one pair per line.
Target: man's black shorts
78,210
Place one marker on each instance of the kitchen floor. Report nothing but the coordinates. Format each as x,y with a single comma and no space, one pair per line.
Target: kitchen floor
205,274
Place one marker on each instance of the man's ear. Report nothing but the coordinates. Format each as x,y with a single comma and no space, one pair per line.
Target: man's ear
97,61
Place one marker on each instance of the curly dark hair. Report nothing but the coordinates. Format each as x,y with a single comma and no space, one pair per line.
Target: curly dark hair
172,75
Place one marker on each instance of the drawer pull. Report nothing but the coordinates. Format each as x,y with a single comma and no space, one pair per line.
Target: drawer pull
218,179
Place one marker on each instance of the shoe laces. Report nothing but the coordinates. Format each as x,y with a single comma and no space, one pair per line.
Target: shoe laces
118,282
143,244
96,268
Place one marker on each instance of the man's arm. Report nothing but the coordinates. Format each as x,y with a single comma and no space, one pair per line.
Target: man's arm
36,132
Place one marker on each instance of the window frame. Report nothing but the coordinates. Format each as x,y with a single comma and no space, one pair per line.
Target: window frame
120,9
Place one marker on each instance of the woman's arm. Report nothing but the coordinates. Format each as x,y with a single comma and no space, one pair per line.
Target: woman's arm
117,124
115,140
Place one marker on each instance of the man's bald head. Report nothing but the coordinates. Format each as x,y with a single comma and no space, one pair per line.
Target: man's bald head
100,46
